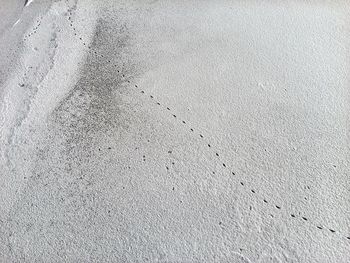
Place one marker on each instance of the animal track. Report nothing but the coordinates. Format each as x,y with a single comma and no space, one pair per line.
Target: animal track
35,29
210,146
276,206
70,21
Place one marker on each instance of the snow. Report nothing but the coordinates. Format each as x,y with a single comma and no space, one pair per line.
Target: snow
170,131
16,22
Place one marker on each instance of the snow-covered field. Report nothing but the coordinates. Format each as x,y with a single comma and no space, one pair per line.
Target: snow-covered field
174,131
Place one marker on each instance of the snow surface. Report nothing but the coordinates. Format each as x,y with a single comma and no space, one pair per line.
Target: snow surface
175,131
